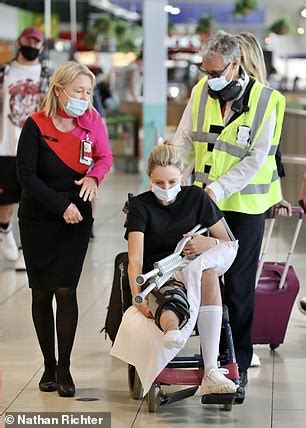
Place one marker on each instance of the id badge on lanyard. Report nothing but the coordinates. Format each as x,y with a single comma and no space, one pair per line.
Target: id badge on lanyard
243,136
86,151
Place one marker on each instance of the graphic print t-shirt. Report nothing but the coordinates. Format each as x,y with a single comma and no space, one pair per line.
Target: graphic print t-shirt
20,98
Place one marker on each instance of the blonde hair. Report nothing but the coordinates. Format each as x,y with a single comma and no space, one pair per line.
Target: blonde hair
62,76
252,58
165,154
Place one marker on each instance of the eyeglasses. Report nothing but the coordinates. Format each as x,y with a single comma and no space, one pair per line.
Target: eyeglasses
213,73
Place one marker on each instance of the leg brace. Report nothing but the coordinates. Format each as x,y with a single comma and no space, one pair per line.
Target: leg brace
171,296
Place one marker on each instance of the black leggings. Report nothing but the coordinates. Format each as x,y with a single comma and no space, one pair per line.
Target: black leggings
66,322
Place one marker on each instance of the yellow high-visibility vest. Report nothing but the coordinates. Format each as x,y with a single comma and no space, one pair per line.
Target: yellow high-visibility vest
218,148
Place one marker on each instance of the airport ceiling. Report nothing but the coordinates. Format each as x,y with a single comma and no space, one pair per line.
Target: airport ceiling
60,7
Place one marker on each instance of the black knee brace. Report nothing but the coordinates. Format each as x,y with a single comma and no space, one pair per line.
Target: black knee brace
172,296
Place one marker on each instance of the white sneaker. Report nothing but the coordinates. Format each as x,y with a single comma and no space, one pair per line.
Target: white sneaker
216,383
20,263
255,361
8,245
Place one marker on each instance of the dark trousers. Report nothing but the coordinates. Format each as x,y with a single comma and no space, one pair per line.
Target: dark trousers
239,281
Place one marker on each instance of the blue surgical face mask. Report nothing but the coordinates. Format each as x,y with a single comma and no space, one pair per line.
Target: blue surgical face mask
218,83
166,195
76,107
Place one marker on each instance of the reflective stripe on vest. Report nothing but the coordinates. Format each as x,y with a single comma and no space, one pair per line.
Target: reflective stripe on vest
256,189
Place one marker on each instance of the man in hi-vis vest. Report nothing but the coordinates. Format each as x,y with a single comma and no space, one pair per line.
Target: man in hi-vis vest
228,135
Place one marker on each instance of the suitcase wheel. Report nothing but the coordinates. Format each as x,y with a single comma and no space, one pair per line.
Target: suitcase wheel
273,346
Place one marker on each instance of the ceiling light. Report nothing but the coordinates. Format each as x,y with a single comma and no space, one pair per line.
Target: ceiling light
300,30
172,10
115,10
303,12
168,8
175,11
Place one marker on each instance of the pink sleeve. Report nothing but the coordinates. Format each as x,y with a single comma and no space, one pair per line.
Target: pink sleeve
102,154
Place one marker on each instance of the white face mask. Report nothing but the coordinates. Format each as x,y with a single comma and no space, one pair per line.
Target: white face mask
218,83
76,107
166,195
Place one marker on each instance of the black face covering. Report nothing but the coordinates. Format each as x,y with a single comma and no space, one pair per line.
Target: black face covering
29,52
230,91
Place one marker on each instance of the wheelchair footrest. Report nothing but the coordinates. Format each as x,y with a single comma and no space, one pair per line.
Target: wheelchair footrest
218,398
164,398
232,398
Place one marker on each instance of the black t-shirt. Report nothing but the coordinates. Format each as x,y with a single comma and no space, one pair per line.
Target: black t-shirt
164,225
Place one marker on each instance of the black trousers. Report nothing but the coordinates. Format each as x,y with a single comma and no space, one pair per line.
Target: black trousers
239,281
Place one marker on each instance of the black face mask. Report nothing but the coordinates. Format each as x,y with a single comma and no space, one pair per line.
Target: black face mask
230,92
29,53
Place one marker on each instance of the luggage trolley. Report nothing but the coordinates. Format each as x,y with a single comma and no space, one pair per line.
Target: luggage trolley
183,370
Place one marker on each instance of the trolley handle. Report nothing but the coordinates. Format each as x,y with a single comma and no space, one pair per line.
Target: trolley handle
295,211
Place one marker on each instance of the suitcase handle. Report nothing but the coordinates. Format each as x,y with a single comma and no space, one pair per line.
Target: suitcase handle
295,211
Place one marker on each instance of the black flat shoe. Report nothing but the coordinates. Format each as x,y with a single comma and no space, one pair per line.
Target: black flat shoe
66,390
243,381
47,382
47,386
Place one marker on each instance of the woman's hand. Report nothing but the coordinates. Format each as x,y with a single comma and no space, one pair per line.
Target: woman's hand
72,214
198,244
144,309
89,188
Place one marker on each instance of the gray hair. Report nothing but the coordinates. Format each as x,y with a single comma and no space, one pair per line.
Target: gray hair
224,44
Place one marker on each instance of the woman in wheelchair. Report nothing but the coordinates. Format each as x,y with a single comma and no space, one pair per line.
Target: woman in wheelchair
157,220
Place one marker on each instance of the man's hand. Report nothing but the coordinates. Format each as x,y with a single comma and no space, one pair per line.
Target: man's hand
284,208
89,188
211,194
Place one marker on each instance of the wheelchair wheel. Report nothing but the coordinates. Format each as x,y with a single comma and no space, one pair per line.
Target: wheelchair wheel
151,398
135,387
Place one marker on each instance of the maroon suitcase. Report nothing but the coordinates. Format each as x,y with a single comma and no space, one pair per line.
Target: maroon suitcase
276,290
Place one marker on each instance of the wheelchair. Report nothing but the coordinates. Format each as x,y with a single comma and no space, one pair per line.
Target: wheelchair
184,370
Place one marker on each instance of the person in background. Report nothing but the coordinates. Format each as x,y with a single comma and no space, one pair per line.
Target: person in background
228,135
23,84
252,60
128,81
135,79
302,204
63,155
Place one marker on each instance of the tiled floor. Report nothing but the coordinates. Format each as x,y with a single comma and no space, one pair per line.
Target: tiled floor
276,394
